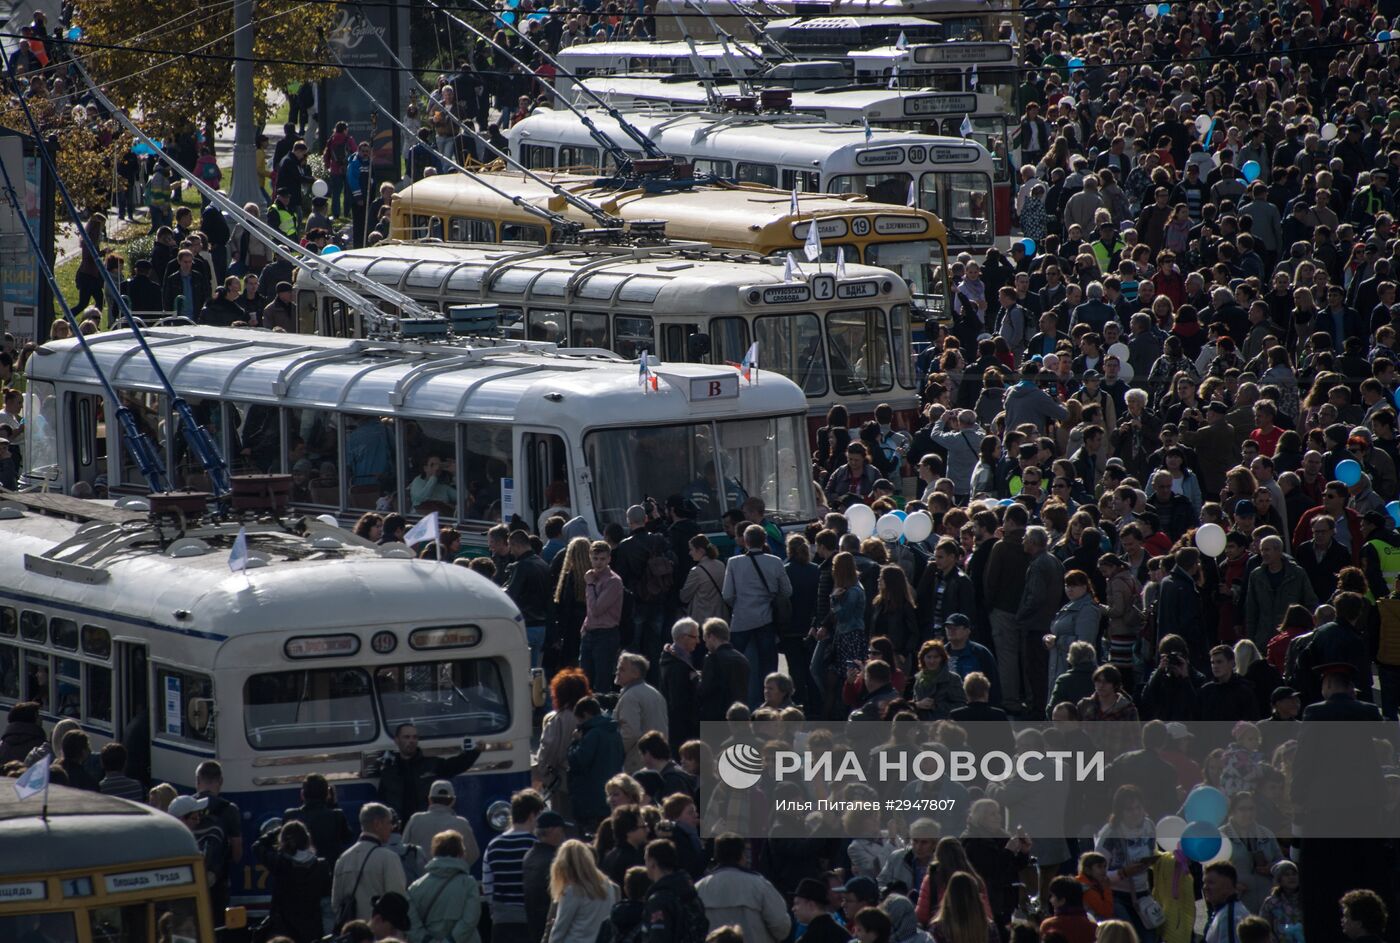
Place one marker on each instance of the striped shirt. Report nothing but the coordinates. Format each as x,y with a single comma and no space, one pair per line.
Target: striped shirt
123,787
502,875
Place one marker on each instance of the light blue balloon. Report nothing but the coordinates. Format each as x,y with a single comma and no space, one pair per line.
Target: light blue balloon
330,249
1393,509
1006,502
1251,170
1383,36
1164,9
1348,472
1076,63
1029,245
1206,805
900,514
75,33
1201,841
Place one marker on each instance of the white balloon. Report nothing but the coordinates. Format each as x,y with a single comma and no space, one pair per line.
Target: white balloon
1202,124
861,520
328,519
1119,350
1125,371
918,527
889,527
1225,853
1210,539
1169,830
320,188
1150,11
1329,131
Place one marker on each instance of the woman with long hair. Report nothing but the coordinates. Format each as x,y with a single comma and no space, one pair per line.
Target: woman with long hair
1077,621
847,612
549,767
949,858
299,880
893,615
984,473
1297,620
832,439
1259,673
1128,841
370,526
702,592
881,649
582,894
960,917
570,602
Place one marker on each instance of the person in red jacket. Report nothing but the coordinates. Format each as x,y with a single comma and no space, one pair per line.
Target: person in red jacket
1334,504
1070,920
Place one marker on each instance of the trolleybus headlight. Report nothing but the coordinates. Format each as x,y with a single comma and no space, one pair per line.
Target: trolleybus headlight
498,815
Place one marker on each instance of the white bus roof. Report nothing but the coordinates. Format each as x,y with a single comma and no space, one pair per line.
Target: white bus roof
419,380
652,50
952,53
771,139
301,587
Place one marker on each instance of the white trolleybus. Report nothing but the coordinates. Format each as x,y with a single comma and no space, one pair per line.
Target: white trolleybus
131,623
476,432
585,60
950,177
842,340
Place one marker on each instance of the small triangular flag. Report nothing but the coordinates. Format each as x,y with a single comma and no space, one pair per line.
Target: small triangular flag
840,262
812,249
902,43
894,77
868,133
972,77
794,207
789,267
424,531
966,126
35,779
238,556
913,194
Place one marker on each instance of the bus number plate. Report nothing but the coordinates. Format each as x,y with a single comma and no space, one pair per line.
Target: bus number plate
858,290
823,287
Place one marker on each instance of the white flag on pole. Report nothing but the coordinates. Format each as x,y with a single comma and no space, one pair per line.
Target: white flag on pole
794,208
238,556
902,43
812,249
894,77
790,268
840,262
966,126
913,193
868,133
424,530
35,779
972,77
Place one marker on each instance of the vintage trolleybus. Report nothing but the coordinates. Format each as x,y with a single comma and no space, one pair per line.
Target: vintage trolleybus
132,624
845,340
909,242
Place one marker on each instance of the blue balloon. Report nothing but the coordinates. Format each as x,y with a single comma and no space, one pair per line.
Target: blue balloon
1206,804
1201,841
900,514
74,33
1348,472
1006,502
1029,245
1383,36
1164,9
1393,509
330,249
1251,170
1076,63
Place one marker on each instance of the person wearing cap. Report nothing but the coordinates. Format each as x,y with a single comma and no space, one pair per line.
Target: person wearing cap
1346,526
367,869
281,312
389,916
1285,710
535,867
1283,908
441,816
906,868
141,290
858,894
189,810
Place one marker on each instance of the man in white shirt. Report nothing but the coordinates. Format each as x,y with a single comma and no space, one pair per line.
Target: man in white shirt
1224,911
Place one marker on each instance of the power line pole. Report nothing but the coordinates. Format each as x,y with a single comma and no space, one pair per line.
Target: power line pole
245,187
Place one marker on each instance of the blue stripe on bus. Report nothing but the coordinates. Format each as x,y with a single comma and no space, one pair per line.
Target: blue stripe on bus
109,617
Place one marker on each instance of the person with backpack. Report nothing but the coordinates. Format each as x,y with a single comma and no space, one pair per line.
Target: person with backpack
759,594
368,868
224,815
300,879
673,909
410,855
648,570
207,835
444,904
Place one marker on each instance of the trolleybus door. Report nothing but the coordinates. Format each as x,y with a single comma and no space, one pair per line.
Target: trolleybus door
133,719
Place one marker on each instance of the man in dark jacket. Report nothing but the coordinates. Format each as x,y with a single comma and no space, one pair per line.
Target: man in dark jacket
1179,606
632,561
595,756
213,224
22,732
1040,600
530,588
943,590
534,872
680,680
408,773
141,290
966,656
186,284
1173,690
1322,558
673,911
1227,696
724,678
1146,770
879,692
1174,511
809,905
1336,643
330,832
1003,582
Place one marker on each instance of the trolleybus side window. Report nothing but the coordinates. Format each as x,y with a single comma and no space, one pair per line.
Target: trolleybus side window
98,678
33,627
577,156
729,339
339,320
633,335
881,188
791,344
523,232
148,412
430,465
258,427
760,456
40,433
68,688
465,229
318,707
757,173
589,329
185,702
9,654
188,470
370,466
487,452
537,156
313,455
713,167
50,926
36,679
901,336
964,201
804,181
860,351
677,349
543,324
450,698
